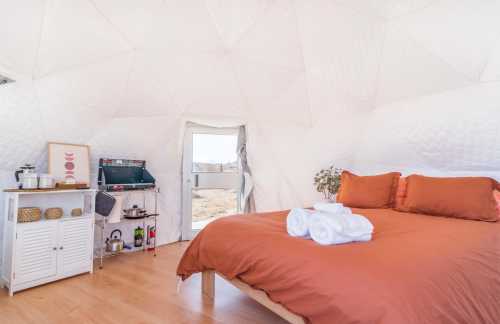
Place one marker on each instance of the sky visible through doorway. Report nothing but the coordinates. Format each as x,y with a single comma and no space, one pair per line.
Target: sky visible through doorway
212,148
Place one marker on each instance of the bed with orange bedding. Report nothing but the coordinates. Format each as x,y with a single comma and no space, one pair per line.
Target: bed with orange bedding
417,269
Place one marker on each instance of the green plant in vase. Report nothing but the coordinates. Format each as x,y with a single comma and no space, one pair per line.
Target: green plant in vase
327,182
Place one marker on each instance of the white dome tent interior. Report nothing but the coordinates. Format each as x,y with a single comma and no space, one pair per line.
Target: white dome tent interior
370,87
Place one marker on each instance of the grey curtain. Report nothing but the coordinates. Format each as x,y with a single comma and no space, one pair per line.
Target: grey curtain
247,202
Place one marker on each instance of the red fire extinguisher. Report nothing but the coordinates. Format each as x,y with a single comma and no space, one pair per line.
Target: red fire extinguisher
151,237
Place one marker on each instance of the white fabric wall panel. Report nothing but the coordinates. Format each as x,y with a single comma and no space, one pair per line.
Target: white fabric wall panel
22,135
461,32
205,83
137,24
262,86
492,69
22,18
148,91
387,8
273,39
99,84
234,18
407,70
185,26
73,33
344,45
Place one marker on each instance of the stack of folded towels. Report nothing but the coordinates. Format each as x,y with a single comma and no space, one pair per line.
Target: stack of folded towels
329,223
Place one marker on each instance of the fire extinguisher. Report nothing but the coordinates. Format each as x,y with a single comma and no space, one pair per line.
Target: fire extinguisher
151,237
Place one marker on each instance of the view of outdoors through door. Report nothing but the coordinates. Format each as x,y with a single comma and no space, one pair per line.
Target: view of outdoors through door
215,178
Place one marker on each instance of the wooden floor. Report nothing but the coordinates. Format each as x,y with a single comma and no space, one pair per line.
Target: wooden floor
132,288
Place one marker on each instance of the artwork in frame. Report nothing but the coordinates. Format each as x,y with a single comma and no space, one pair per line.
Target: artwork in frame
69,163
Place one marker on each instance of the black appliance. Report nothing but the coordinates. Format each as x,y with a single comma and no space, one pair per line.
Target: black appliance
121,175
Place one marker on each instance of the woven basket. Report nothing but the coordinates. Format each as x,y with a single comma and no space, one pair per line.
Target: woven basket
76,212
28,214
53,213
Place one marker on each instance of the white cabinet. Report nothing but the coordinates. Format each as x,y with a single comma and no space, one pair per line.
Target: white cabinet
47,250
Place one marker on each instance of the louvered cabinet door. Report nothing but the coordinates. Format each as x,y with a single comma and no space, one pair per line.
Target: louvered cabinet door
75,246
36,251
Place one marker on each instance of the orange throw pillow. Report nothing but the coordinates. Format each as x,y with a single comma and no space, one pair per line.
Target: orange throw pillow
400,194
461,197
496,194
376,191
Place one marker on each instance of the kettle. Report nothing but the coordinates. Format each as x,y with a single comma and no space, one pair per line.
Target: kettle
114,243
26,177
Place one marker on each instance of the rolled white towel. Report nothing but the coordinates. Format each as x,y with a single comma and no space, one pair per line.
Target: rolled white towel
327,229
297,222
332,208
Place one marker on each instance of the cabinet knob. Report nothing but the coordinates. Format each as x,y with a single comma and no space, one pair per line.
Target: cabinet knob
61,248
54,248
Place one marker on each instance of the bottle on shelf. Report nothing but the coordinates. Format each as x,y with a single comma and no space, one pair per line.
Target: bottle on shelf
138,236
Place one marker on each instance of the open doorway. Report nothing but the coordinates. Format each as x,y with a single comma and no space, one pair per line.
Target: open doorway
211,173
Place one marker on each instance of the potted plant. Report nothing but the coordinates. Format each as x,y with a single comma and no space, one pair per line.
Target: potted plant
327,182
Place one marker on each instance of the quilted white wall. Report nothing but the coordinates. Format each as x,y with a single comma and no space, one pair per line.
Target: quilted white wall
372,85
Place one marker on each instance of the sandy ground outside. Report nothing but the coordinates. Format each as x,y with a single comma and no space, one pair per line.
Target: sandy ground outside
211,204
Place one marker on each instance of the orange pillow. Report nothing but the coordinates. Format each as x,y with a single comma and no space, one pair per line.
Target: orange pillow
466,197
496,194
376,191
400,194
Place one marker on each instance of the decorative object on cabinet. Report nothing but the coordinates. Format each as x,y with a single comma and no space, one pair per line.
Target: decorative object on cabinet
26,177
46,181
75,212
40,252
69,164
53,213
28,214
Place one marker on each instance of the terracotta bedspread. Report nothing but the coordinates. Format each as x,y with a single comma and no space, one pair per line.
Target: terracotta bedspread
417,268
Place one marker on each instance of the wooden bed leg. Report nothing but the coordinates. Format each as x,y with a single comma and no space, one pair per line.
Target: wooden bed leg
208,284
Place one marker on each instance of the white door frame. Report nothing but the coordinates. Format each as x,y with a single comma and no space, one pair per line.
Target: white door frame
187,232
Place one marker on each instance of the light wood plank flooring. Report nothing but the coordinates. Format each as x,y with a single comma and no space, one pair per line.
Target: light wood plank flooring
132,288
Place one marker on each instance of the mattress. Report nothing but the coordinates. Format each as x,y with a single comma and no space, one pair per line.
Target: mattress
417,268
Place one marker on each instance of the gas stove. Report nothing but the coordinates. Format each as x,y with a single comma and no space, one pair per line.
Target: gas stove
123,175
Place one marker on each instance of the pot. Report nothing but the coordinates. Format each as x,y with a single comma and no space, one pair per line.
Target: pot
134,212
114,243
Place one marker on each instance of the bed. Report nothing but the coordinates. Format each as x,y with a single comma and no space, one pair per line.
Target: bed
417,269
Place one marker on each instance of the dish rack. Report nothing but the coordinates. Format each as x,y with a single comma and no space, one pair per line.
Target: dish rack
102,223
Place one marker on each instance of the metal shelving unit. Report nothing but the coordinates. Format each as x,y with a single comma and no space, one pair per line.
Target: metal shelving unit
102,222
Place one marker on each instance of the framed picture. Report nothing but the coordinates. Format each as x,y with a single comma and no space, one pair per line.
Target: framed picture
69,163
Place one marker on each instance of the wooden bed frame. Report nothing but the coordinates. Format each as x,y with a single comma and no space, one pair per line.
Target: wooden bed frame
208,289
